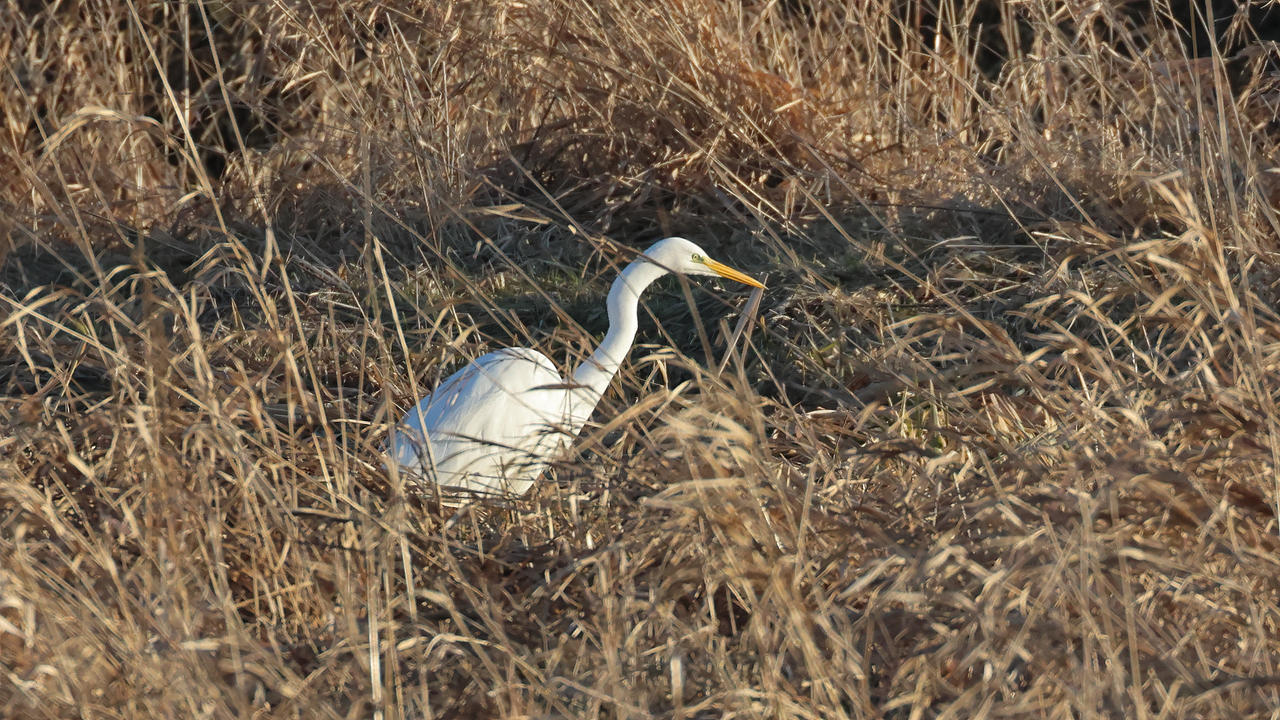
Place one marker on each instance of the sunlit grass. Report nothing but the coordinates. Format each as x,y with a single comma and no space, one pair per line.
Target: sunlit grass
1003,440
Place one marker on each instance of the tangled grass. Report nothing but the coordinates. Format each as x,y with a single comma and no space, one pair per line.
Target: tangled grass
1004,441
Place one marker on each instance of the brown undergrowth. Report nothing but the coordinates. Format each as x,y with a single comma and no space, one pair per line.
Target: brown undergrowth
1003,441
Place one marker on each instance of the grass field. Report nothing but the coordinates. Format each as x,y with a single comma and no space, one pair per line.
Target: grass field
1002,442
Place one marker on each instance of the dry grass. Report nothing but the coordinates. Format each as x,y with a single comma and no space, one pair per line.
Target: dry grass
1006,442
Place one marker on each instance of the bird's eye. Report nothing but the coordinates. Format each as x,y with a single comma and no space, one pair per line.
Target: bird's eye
697,258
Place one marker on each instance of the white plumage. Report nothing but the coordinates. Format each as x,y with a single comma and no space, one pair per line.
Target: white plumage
492,427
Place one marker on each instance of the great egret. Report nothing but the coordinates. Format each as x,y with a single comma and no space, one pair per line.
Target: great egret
492,427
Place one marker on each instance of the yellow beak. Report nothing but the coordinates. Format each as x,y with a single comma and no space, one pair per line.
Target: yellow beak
727,272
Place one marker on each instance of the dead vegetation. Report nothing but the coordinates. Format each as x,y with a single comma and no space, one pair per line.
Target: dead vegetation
1005,442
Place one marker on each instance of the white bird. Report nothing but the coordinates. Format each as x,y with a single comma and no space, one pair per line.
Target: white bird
493,426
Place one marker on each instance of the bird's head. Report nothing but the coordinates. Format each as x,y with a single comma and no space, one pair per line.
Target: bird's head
681,256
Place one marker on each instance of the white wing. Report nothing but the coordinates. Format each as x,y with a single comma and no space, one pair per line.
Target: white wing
491,427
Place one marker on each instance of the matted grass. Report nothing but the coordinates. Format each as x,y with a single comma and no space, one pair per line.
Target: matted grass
1004,441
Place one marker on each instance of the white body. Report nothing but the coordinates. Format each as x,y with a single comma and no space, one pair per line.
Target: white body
492,427
507,413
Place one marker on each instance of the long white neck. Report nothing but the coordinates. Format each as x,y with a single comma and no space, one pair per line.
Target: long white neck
595,373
